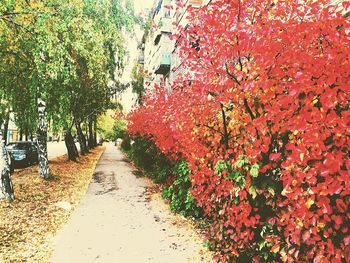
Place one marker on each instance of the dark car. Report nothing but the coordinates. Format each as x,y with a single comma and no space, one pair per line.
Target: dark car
23,153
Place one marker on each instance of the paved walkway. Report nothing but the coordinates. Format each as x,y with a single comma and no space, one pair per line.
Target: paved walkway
117,221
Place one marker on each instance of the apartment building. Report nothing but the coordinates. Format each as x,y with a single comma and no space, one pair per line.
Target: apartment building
12,131
159,54
157,45
180,18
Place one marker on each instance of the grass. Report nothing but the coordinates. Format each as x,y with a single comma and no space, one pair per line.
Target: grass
28,224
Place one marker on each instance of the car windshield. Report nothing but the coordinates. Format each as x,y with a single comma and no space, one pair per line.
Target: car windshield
19,146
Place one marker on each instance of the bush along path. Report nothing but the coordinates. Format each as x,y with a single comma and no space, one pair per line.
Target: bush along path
121,220
261,115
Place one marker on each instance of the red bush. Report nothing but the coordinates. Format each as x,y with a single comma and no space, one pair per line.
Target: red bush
263,119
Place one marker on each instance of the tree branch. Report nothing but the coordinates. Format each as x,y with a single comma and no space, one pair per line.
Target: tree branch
225,134
239,11
240,61
232,76
212,128
248,109
15,14
10,14
10,21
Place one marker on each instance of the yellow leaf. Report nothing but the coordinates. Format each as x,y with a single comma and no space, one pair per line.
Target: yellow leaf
309,203
299,222
321,224
252,191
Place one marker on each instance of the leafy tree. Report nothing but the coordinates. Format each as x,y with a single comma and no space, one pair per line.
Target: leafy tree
137,82
62,54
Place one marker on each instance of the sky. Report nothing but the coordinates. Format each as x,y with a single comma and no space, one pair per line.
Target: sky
141,4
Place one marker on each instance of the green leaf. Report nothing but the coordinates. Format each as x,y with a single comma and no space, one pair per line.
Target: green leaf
241,181
220,166
252,191
240,163
254,171
234,175
262,244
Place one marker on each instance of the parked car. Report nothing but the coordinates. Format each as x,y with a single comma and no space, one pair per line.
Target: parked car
22,153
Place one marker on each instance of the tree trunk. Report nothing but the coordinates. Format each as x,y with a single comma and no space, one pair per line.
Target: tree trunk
86,135
6,128
6,188
42,142
70,145
20,135
225,136
81,138
95,131
91,134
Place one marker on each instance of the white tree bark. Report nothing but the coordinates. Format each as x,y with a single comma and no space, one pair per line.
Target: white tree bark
42,141
6,188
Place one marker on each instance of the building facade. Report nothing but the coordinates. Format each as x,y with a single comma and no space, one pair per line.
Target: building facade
158,52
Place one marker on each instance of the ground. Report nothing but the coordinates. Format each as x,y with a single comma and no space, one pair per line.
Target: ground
121,219
55,149
42,207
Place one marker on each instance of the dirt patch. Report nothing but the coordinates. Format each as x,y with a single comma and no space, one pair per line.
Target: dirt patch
137,173
106,181
193,231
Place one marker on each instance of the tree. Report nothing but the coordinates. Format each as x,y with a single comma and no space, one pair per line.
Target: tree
79,40
6,188
137,80
42,141
62,54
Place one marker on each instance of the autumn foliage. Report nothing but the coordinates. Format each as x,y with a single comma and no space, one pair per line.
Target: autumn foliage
262,116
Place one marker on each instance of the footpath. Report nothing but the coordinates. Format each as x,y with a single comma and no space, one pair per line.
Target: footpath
119,220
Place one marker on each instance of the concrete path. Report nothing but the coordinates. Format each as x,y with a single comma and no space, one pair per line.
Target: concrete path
118,221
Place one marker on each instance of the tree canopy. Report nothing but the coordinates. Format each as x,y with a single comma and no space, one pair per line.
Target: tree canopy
65,52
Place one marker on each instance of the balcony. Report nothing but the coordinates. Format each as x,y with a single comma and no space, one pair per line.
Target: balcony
164,65
165,24
195,3
164,28
157,39
141,59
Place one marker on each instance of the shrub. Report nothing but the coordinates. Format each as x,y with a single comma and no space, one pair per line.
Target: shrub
174,175
178,193
146,156
119,129
125,145
264,126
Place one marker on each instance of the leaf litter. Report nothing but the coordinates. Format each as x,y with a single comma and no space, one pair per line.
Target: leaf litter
41,208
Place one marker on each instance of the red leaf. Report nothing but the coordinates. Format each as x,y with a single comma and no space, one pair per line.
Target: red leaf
274,156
